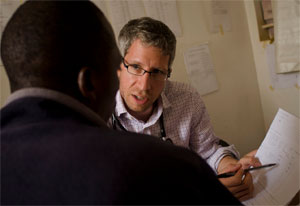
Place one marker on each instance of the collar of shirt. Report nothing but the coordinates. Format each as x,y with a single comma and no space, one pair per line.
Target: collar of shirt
60,98
122,113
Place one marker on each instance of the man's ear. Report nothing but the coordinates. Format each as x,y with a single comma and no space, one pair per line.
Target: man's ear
85,83
119,71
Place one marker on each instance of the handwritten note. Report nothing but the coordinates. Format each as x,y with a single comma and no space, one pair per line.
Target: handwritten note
279,184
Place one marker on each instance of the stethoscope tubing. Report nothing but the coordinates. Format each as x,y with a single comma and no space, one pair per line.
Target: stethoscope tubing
163,136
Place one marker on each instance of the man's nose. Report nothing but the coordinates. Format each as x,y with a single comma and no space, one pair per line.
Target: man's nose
144,82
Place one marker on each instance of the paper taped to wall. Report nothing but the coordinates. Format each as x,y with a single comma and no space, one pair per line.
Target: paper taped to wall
199,66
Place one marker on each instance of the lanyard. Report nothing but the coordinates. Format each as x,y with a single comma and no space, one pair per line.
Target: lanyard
116,123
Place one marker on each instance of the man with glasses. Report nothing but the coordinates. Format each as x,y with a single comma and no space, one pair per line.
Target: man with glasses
150,104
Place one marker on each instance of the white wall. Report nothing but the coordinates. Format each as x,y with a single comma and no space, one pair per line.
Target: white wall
235,109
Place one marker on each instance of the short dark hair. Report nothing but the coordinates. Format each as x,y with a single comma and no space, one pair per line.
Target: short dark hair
151,32
48,42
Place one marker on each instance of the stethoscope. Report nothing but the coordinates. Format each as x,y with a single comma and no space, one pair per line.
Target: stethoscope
163,136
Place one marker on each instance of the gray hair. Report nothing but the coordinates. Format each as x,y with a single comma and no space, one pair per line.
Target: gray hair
151,32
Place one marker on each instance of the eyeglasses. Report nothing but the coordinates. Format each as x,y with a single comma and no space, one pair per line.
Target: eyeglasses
155,74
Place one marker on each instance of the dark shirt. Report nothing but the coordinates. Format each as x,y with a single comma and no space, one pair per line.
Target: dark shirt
51,154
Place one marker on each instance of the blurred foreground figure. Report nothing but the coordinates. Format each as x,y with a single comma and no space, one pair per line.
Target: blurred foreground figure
61,59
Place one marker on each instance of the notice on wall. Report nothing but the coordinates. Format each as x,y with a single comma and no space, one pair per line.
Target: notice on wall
121,11
199,66
287,32
220,19
165,11
280,81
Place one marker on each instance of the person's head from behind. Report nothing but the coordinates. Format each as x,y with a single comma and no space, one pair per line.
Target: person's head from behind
66,46
146,45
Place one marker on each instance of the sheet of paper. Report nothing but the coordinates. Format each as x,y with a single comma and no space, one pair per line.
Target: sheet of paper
280,81
165,11
220,19
122,11
279,184
287,32
198,63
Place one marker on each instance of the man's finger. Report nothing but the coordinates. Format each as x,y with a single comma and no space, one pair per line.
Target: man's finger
245,197
242,193
237,189
234,180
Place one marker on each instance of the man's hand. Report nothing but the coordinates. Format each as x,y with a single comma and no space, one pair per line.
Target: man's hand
250,160
241,184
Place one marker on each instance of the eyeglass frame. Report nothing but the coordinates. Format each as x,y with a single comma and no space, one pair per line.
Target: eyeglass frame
168,74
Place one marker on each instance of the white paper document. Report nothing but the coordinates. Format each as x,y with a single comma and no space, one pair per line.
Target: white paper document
199,67
121,11
165,11
287,32
219,16
280,81
279,184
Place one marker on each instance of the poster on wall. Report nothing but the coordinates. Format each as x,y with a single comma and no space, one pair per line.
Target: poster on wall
280,81
287,32
220,19
199,66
